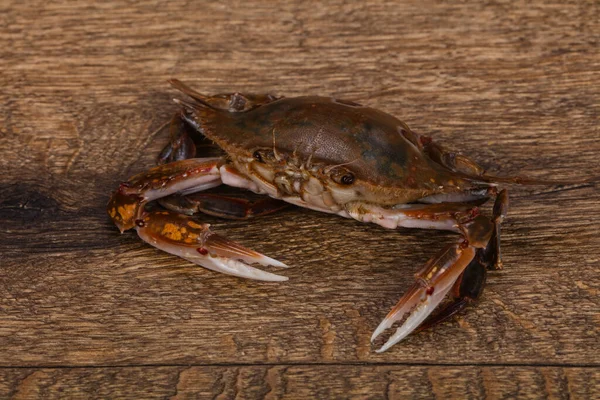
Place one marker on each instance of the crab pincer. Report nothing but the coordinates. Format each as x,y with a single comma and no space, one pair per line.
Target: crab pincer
459,268
180,234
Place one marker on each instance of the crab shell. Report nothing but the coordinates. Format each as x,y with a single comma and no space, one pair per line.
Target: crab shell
325,154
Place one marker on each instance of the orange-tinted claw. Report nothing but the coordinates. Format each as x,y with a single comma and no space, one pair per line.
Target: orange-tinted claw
224,247
179,234
124,209
126,204
185,237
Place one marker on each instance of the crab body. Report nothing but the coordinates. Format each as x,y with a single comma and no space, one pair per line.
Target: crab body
328,155
317,136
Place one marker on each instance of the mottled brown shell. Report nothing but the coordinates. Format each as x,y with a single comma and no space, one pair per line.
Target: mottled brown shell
377,147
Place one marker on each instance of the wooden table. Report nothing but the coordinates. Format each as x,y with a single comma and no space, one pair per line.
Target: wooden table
88,312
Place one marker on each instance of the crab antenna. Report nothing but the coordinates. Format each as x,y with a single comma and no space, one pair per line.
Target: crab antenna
277,157
295,159
326,170
309,160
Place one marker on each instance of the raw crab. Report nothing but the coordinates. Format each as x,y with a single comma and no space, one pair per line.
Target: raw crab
328,155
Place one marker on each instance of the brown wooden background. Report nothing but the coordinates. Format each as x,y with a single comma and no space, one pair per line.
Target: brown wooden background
85,311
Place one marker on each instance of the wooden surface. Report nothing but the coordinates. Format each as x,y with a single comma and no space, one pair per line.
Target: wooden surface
88,312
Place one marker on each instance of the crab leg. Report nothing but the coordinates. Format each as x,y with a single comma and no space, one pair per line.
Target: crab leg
183,235
181,146
443,216
222,206
232,102
469,286
460,266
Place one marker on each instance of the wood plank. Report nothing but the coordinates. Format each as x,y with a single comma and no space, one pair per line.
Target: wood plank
83,97
301,382
80,300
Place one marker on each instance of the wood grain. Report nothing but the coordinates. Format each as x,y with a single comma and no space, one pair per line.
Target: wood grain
300,381
86,310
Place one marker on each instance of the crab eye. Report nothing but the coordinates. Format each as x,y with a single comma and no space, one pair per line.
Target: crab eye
348,179
264,156
342,176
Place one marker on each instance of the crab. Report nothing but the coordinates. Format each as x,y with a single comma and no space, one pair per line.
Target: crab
329,155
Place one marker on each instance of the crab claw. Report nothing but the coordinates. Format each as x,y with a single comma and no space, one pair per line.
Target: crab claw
432,284
179,234
182,236
436,278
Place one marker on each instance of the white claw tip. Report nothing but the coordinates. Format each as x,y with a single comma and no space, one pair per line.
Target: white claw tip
380,329
276,263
